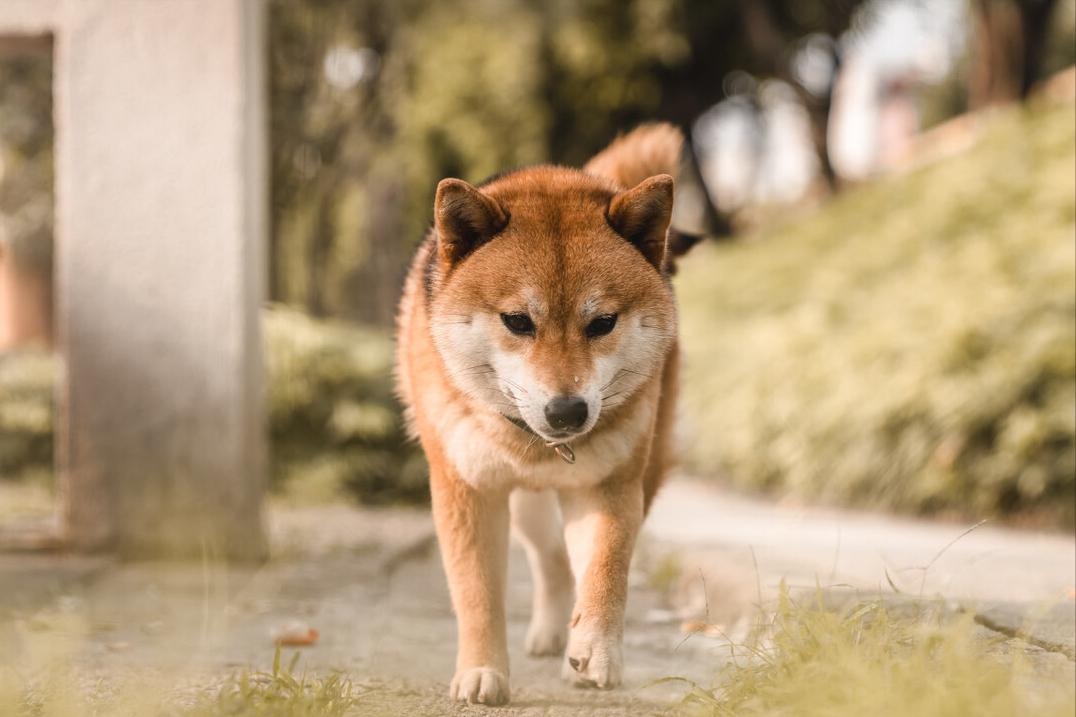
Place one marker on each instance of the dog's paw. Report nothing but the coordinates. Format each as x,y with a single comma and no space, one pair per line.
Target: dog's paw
480,685
594,658
546,635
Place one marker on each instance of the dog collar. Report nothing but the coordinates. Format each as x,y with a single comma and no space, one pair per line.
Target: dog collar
561,449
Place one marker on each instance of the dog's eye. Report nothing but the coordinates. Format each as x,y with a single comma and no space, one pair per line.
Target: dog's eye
601,325
519,324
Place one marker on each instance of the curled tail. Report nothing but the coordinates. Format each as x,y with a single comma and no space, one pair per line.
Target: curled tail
645,151
660,148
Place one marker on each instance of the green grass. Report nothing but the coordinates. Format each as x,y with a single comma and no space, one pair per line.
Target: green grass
279,693
61,691
809,660
911,345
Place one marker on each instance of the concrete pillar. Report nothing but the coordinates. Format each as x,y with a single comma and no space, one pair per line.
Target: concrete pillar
160,253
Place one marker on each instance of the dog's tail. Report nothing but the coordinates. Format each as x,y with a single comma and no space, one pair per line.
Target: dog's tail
660,148
645,151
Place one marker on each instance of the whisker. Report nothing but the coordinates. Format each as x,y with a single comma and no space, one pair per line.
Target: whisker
515,385
494,391
531,442
484,364
613,380
503,404
476,372
489,389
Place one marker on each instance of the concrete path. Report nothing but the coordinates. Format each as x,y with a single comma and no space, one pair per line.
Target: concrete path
729,548
371,583
805,545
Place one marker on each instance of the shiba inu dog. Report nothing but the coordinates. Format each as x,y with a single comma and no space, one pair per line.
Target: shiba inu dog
537,359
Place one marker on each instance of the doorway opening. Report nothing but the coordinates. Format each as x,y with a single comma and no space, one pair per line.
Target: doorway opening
30,366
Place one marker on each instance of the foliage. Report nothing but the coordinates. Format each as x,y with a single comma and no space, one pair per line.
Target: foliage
334,423
1059,51
26,413
467,89
372,102
280,693
62,691
911,345
26,180
868,659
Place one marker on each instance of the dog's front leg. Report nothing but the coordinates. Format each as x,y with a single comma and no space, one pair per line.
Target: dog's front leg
472,529
601,524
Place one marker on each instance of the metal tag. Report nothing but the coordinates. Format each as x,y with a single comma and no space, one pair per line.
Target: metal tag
564,451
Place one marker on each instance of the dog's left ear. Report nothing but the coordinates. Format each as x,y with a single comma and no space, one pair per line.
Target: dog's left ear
465,218
641,215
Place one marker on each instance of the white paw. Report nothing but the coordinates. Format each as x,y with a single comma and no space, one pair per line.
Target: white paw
480,685
547,634
594,658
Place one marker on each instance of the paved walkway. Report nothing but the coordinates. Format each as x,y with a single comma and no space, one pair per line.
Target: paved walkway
803,544
1018,581
371,583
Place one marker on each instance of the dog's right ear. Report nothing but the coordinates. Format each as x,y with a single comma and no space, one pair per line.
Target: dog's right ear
465,219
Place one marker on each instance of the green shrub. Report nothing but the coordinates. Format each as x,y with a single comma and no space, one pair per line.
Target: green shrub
334,423
912,345
334,420
26,413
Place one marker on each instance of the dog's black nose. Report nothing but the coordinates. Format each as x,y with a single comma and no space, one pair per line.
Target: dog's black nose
566,413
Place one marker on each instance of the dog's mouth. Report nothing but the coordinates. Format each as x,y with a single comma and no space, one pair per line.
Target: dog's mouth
561,435
557,441
545,435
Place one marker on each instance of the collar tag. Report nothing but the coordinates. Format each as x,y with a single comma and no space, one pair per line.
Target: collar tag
561,449
564,451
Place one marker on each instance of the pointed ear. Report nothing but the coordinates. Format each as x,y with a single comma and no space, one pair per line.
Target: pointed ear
465,218
641,215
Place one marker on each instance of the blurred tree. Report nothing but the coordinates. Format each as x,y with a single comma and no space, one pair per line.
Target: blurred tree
373,102
328,126
1060,42
26,148
26,181
1010,41
778,31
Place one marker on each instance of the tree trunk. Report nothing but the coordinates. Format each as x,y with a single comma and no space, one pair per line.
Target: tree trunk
998,70
1035,15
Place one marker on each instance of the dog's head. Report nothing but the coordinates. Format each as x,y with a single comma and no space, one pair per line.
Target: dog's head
552,305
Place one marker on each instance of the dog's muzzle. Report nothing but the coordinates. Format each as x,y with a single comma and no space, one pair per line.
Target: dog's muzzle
561,449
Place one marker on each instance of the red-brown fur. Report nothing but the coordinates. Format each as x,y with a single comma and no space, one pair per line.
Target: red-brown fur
559,235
